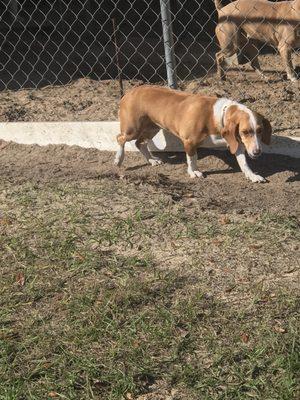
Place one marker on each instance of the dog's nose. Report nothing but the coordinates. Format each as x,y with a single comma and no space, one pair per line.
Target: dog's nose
256,152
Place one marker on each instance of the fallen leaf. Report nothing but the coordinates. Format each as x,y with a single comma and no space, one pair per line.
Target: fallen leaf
53,394
230,288
216,241
100,384
79,256
224,220
279,329
252,219
5,221
3,144
183,333
245,337
20,279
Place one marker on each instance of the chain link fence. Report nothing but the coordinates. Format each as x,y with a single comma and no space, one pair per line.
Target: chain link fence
53,42
45,42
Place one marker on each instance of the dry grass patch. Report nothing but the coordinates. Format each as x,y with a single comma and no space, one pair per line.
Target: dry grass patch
152,298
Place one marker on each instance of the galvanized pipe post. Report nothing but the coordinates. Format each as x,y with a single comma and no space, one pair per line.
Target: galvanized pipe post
168,42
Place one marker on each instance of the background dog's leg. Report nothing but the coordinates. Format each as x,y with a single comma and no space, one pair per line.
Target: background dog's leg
227,36
256,66
242,161
119,158
286,55
191,158
221,64
143,148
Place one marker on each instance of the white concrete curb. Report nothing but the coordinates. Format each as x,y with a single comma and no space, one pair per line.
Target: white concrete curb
102,136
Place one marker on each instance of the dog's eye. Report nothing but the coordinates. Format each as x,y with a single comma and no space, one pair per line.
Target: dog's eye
245,133
258,130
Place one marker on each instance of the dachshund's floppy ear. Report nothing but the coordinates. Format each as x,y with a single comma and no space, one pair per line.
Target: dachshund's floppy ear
267,131
230,132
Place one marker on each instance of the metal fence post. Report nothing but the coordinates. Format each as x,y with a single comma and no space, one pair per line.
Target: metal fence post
168,42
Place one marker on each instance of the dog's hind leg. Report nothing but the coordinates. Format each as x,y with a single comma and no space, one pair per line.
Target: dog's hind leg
256,66
227,37
221,64
252,53
119,158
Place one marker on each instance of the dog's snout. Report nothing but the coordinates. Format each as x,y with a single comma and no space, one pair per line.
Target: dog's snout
255,153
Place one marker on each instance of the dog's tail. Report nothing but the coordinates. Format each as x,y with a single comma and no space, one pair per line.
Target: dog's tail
218,4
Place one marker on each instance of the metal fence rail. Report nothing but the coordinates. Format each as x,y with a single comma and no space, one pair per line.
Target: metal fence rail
45,42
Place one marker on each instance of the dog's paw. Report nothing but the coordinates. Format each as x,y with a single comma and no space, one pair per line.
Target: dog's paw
195,174
155,161
256,178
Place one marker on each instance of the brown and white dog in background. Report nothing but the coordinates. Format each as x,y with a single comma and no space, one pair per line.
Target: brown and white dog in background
277,24
144,110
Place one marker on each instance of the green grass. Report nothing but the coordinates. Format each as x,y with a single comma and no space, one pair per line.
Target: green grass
127,294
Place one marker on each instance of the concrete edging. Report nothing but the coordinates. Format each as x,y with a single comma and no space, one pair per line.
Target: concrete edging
102,136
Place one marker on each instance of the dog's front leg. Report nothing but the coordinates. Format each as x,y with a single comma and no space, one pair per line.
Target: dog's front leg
191,158
192,166
242,161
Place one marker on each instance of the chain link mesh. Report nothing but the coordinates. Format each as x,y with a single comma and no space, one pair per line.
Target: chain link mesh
47,42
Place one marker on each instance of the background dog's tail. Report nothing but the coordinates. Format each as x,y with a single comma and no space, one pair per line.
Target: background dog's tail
218,4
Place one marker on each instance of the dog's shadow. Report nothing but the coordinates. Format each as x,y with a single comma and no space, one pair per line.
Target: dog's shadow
266,165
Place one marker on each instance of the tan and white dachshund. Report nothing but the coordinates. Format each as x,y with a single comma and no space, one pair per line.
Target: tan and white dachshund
146,109
277,24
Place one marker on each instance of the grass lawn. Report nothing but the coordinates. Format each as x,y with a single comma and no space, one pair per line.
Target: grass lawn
116,290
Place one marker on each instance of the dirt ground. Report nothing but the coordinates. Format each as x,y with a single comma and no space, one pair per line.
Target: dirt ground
224,186
91,100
